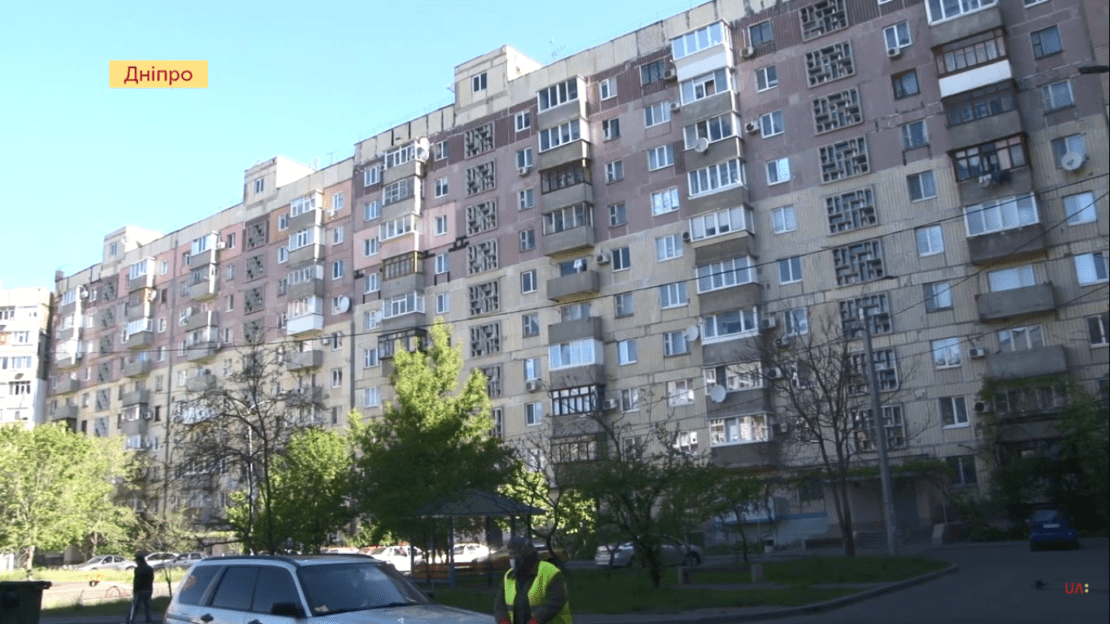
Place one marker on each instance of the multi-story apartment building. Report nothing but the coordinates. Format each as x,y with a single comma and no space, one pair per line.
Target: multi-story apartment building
615,232
24,331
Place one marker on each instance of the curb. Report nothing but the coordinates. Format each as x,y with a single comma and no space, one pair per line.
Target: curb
818,607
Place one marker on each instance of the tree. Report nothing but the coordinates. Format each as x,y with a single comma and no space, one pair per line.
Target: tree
430,443
735,493
235,429
56,485
569,513
820,381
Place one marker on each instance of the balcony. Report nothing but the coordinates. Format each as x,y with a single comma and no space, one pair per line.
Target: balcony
749,455
1005,304
1015,243
732,196
567,241
1010,182
208,256
566,111
145,280
304,324
201,382
971,79
64,412
135,397
69,385
574,330
583,192
198,320
311,217
137,426
589,375
311,252
73,333
738,350
966,25
313,287
138,368
204,290
139,311
742,297
569,152
573,425
140,340
68,361
201,352
712,106
309,394
1028,363
303,360
719,248
984,130
754,400
576,285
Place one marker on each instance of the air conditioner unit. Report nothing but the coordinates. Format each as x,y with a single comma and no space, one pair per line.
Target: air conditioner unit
783,342
603,258
670,74
748,52
701,146
532,385
980,407
612,404
675,105
894,52
986,180
976,353
774,373
1072,161
146,414
752,127
524,170
83,293
686,237
768,322
326,340
221,245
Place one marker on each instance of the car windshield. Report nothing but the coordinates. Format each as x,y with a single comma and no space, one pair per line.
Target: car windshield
355,587
1046,515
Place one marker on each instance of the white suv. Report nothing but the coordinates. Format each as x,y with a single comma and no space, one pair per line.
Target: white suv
331,589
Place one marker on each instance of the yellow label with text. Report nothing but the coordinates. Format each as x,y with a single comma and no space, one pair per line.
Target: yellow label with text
158,74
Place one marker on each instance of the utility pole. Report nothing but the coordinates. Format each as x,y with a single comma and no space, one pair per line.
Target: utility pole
880,435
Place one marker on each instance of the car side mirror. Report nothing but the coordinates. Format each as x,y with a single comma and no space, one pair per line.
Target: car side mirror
286,609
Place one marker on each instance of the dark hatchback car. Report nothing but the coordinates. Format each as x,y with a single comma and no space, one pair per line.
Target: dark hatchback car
1051,525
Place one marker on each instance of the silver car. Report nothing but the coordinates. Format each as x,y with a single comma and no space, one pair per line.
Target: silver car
302,589
674,553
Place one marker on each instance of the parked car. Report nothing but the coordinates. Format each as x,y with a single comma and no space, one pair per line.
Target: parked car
159,557
469,552
398,556
183,560
1051,524
675,552
102,562
338,589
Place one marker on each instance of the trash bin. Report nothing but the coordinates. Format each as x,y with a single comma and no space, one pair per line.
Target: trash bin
21,601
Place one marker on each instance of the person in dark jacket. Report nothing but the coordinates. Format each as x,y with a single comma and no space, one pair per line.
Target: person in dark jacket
534,591
142,589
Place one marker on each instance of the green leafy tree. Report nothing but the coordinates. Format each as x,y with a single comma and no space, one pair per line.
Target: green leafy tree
736,493
432,442
56,485
570,514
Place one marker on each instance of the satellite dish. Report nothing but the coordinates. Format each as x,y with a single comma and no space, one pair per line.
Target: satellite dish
1072,161
344,304
701,145
691,333
717,394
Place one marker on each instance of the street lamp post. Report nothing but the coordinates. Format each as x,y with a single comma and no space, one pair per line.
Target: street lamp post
880,435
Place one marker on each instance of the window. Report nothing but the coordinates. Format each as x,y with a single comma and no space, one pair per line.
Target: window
1090,268
556,95
712,130
614,171
997,215
946,353
729,325
1046,42
976,51
564,176
938,296
562,134
795,322
440,150
528,240
626,352
657,113
659,157
771,124
533,414
478,83
1097,330
734,377
697,40
1020,338
962,467
440,227
663,202
370,246
930,240
905,84
607,89
441,187
726,274
668,248
372,175
914,135
785,219
336,202
680,392
653,72
790,270
371,210
980,104
897,36
1080,208
337,270
674,343
1064,145
622,305
443,264
622,258
1010,279
630,399
673,295
947,9
778,171
761,33
716,177
738,430
373,283
766,78
336,377
528,281
567,218
523,121
524,158
610,128
705,85
922,185
574,353
1057,95
259,185
720,223
530,325
526,199
617,215
857,263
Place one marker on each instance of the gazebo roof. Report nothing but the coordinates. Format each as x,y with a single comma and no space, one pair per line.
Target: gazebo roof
477,504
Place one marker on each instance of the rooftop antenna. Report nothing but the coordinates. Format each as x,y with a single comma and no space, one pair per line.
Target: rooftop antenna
555,51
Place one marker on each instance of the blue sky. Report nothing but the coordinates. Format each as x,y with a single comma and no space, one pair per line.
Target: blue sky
303,80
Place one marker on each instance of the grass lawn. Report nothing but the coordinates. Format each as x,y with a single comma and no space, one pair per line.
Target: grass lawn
119,607
815,570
